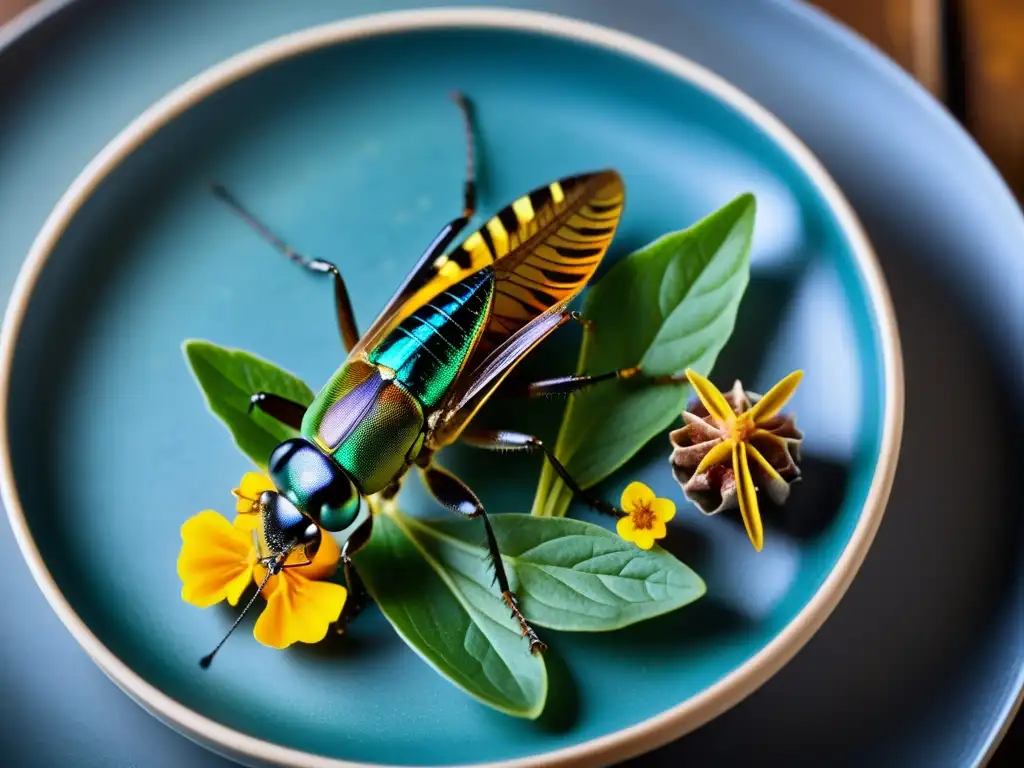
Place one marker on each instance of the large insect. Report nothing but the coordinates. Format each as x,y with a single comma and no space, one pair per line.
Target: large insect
410,385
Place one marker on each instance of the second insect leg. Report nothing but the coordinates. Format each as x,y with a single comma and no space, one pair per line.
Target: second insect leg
504,440
357,594
456,496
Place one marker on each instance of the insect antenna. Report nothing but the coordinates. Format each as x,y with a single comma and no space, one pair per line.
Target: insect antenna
208,658
221,193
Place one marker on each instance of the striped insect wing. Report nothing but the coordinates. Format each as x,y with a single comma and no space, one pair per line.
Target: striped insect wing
544,247
561,235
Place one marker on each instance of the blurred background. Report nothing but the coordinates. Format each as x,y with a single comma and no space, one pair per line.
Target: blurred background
968,53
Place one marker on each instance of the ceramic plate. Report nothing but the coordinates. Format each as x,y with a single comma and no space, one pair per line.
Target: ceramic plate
108,448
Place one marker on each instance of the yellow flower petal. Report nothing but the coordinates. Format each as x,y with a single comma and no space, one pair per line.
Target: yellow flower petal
644,539
299,611
659,530
763,463
625,528
718,453
664,510
636,494
713,400
776,397
747,496
216,560
252,485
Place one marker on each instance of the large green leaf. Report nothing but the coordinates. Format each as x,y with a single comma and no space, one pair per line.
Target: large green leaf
228,378
669,306
570,575
438,595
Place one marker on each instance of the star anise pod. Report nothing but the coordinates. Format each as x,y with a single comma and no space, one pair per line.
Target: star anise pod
732,445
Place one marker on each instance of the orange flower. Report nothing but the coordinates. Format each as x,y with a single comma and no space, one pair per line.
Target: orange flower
216,560
300,608
219,559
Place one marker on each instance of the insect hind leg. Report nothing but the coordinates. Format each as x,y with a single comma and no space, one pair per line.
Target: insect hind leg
469,194
456,496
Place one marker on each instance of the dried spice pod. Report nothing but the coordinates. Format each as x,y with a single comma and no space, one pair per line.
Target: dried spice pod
703,449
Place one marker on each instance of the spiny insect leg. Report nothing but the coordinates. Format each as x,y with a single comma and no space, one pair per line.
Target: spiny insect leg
566,385
456,496
357,594
504,440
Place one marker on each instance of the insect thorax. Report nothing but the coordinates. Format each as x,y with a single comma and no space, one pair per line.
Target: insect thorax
370,415
367,422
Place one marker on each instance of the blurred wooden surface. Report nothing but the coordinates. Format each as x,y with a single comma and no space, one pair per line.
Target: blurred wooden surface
10,8
909,31
994,82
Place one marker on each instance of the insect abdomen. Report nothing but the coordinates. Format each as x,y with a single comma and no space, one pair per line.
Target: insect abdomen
429,347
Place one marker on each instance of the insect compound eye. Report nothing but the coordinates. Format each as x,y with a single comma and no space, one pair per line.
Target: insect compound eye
340,504
314,483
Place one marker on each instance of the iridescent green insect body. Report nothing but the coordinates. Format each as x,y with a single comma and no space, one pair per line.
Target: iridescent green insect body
370,417
411,384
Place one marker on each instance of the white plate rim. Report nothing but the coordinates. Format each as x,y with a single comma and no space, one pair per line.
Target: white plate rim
612,747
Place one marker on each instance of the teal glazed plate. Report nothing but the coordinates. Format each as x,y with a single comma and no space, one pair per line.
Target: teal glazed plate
344,139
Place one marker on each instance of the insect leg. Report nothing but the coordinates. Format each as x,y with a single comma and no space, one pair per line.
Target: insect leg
503,440
286,411
565,385
457,496
343,306
357,595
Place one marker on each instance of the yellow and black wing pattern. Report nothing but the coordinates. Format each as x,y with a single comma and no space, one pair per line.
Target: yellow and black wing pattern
545,246
561,236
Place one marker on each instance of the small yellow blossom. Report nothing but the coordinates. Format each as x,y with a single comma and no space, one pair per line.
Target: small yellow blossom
739,431
645,516
219,559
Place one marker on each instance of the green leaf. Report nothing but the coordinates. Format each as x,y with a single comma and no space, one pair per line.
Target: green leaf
669,306
228,378
570,575
437,594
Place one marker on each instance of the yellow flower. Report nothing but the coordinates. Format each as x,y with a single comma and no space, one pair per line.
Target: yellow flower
219,559
216,560
248,493
739,430
300,609
645,516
